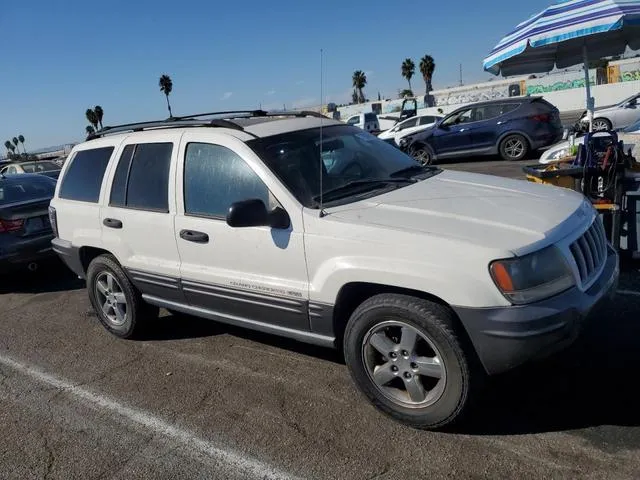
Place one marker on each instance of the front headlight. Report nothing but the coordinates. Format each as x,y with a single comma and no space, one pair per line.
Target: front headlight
559,154
532,277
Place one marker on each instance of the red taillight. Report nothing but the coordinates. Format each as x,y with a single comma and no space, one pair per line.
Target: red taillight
53,220
543,117
10,225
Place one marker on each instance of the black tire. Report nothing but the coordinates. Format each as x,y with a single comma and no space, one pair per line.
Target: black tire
423,154
514,147
137,310
603,124
432,320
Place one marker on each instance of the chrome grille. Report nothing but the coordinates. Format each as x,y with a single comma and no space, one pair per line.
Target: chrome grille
590,251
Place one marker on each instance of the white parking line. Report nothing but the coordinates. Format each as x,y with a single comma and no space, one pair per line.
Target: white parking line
248,466
628,292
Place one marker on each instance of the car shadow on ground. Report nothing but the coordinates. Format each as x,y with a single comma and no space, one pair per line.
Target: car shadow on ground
170,326
51,276
593,383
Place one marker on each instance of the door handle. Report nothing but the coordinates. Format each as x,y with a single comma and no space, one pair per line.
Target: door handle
193,236
112,223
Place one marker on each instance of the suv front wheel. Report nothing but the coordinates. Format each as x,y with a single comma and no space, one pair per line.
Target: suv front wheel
422,154
117,303
404,355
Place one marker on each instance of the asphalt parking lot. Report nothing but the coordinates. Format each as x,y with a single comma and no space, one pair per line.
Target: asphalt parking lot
196,399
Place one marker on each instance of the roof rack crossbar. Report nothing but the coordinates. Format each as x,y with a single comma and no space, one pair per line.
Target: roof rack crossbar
192,121
229,113
255,113
160,124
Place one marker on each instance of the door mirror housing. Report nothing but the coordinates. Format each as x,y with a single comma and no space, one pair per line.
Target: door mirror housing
253,213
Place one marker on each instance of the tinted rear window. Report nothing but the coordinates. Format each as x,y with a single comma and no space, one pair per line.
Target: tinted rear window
370,117
141,180
25,189
542,101
83,178
36,167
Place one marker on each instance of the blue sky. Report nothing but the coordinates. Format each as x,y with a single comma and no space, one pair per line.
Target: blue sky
60,58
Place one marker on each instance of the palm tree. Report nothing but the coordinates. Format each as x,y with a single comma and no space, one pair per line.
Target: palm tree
354,96
92,118
359,81
99,114
405,93
427,67
21,140
9,146
166,86
408,69
90,130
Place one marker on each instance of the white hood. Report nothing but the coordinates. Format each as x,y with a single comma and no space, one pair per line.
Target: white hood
494,212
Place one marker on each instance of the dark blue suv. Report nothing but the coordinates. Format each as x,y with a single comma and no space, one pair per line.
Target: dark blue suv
510,127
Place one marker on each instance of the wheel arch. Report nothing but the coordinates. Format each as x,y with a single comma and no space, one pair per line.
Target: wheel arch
88,254
422,144
513,132
353,294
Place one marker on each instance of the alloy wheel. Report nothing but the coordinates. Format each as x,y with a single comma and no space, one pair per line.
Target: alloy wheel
514,147
422,156
600,125
404,364
111,298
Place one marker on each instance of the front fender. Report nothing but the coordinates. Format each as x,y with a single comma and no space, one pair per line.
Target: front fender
463,284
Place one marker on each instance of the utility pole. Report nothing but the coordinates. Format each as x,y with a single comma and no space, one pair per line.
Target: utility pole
460,74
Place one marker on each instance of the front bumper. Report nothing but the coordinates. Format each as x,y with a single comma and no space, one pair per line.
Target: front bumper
509,336
22,252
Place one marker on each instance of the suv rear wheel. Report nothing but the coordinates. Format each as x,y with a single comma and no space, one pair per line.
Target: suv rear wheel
514,147
404,355
117,303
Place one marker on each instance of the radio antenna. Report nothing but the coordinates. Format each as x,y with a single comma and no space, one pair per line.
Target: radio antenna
322,212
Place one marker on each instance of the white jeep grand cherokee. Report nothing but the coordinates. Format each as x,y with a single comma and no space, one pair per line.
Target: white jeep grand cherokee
426,279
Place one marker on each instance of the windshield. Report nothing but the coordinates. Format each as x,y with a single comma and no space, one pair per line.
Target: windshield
632,99
35,167
349,156
22,189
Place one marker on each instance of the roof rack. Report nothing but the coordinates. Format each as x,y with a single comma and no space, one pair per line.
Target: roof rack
192,121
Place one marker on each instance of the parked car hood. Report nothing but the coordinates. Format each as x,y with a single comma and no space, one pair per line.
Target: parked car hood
512,215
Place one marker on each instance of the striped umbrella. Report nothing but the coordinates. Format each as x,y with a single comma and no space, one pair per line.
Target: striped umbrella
568,33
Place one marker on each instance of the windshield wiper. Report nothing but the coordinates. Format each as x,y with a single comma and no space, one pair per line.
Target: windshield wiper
415,170
372,182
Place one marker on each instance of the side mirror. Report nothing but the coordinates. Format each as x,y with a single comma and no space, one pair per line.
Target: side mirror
253,213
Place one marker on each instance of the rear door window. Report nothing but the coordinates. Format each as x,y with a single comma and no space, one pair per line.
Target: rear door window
412,122
83,178
141,180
